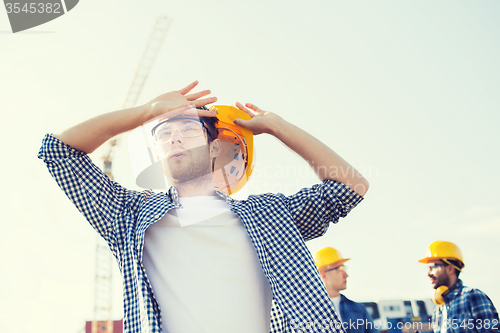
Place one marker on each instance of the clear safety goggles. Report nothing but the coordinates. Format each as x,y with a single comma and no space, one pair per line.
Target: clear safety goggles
434,266
186,127
342,268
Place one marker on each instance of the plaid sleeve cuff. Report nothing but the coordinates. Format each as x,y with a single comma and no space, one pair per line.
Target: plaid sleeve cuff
343,193
54,149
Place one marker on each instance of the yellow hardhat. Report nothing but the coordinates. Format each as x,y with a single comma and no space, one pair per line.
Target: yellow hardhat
329,256
234,165
443,250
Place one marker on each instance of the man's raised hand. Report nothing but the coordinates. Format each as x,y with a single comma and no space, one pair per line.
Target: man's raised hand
181,98
260,121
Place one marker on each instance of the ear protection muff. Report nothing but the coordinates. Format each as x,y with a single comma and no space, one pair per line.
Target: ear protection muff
440,291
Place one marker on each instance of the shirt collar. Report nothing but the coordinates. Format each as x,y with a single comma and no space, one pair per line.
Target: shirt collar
224,195
174,196
454,290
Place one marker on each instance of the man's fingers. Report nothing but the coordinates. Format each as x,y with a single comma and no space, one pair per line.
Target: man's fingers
244,109
241,107
188,88
253,107
206,113
195,96
204,101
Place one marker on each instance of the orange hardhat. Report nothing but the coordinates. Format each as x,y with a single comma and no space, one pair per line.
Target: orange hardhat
443,250
234,165
329,256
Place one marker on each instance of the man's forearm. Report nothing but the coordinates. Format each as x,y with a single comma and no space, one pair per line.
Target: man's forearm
325,162
91,134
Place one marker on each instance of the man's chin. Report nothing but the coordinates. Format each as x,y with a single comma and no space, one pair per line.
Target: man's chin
185,175
436,285
183,178
183,170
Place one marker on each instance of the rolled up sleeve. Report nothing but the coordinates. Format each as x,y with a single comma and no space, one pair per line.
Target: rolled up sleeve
313,209
98,198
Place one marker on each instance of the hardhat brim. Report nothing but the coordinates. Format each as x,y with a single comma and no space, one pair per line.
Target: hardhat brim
428,259
336,263
235,164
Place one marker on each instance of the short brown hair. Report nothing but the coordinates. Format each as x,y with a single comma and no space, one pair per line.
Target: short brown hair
211,125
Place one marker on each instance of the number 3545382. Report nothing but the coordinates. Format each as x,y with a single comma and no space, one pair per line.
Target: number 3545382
33,7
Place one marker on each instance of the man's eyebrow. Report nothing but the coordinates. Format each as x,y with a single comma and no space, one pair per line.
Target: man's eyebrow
166,124
185,121
161,126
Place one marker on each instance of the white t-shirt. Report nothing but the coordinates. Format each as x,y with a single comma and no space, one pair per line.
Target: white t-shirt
336,304
444,321
205,274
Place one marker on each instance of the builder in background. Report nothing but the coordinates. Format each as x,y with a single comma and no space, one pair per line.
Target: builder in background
354,316
461,309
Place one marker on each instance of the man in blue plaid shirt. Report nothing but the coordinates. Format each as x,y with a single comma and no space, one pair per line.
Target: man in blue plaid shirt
354,316
244,266
460,308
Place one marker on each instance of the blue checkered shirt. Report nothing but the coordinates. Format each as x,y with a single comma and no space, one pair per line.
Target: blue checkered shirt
355,317
277,225
468,310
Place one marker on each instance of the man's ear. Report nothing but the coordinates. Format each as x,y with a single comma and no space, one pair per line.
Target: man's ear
450,270
215,148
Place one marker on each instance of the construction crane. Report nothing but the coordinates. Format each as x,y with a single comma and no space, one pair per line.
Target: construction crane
103,322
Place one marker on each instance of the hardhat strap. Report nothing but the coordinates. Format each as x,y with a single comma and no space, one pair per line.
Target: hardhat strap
449,263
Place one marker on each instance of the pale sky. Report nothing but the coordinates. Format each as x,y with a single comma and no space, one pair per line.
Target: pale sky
406,91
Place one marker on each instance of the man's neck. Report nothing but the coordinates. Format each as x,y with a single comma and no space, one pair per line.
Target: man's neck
197,187
453,280
333,293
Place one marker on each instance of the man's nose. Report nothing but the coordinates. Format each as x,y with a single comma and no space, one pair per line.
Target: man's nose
176,136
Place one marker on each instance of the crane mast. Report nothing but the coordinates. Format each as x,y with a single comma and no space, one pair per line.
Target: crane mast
103,322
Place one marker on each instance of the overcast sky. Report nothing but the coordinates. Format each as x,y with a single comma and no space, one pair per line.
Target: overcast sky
406,91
